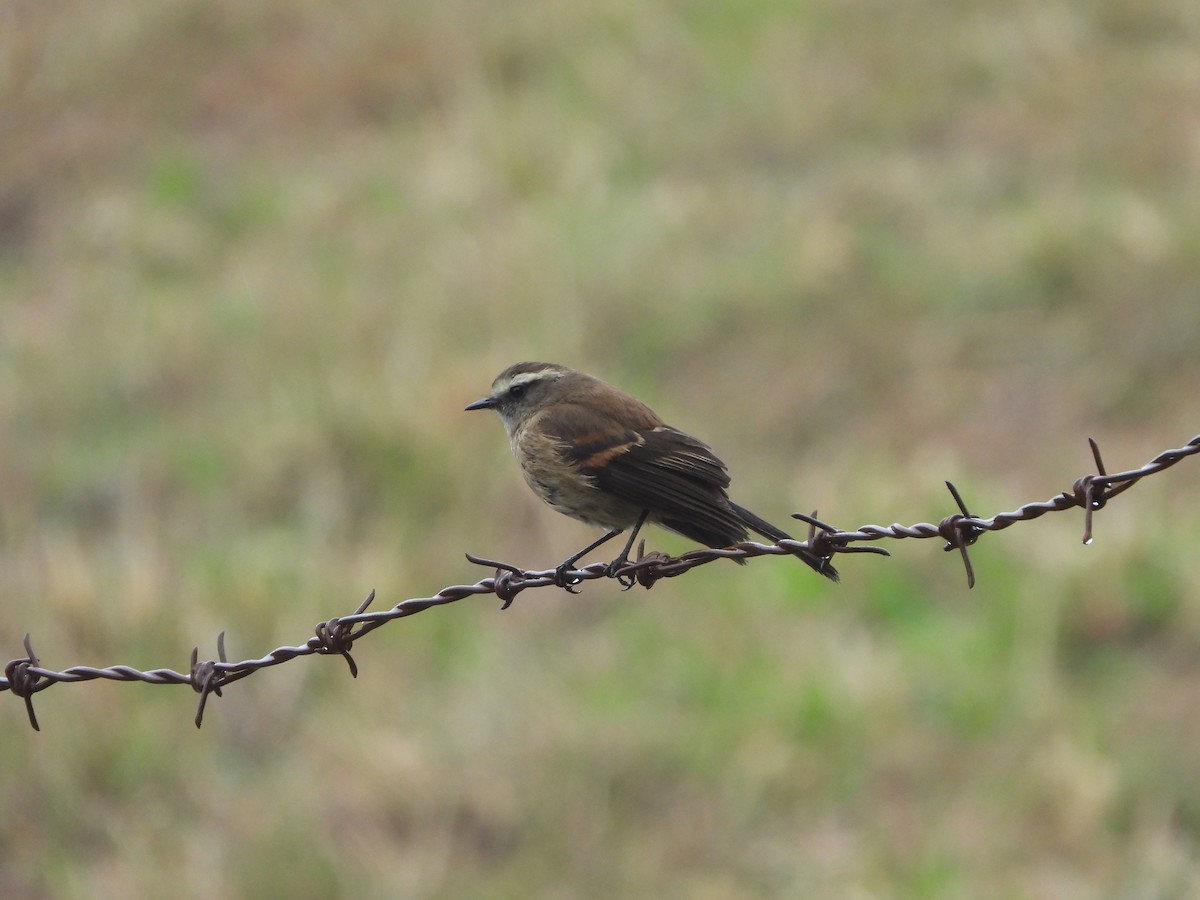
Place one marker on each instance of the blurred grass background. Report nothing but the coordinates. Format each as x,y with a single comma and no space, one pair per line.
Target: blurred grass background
256,256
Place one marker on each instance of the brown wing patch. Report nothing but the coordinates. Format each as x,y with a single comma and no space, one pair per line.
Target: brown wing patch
588,439
675,476
648,465
605,457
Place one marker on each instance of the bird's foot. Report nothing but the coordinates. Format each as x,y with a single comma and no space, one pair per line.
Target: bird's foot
616,566
613,570
564,580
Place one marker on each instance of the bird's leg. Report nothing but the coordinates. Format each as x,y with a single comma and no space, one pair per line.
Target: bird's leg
624,557
560,571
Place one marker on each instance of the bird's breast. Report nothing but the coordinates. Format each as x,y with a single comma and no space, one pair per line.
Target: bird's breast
561,485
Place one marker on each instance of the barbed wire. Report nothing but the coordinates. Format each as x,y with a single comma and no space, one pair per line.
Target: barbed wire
25,676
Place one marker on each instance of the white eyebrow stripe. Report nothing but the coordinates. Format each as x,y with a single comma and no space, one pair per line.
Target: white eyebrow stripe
529,377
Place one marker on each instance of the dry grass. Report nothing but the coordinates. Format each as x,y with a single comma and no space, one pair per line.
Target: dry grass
256,256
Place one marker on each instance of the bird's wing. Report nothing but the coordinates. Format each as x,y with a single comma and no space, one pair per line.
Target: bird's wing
673,475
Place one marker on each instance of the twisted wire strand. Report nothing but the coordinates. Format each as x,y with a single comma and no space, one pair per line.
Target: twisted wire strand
25,676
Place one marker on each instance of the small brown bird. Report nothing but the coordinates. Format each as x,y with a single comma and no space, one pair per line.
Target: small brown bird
600,456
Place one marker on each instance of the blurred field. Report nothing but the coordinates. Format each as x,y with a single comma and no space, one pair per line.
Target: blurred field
255,257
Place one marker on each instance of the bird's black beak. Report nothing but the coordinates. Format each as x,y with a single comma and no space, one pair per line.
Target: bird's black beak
485,403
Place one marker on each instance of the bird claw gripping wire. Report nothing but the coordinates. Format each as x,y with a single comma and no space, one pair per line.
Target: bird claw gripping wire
646,570
565,578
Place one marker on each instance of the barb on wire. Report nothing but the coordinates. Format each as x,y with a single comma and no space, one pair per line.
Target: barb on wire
25,676
206,677
25,681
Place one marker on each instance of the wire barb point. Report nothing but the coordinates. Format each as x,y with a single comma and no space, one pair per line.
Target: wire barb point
24,682
960,532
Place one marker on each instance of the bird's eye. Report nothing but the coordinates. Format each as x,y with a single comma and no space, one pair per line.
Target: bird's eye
517,391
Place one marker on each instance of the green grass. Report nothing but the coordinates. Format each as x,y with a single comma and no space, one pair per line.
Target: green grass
254,260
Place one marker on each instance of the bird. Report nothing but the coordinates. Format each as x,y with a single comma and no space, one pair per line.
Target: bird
598,455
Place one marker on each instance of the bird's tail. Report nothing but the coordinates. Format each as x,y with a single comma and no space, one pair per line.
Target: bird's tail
767,530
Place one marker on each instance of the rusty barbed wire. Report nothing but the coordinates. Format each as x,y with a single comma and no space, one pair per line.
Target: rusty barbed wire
25,676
